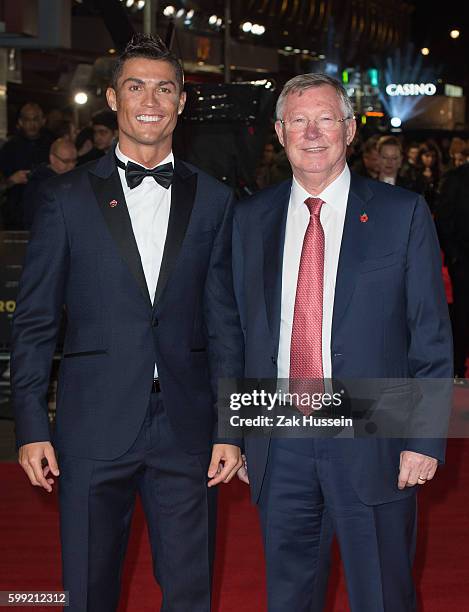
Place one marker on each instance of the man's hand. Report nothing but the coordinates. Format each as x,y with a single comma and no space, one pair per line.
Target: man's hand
31,458
243,471
226,461
20,177
415,469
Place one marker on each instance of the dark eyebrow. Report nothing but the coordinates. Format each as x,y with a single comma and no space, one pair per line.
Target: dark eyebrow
168,83
134,80
142,82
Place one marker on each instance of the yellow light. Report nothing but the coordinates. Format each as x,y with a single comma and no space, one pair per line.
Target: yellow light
425,51
454,33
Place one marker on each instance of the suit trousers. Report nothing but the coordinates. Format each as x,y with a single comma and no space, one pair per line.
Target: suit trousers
306,484
459,274
97,500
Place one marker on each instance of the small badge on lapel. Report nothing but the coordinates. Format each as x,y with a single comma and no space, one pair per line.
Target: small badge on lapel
363,217
113,203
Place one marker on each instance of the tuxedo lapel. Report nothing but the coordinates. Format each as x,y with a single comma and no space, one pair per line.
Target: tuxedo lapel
358,228
183,192
274,224
109,194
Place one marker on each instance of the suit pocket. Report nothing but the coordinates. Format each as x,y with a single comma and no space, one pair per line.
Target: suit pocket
83,354
380,263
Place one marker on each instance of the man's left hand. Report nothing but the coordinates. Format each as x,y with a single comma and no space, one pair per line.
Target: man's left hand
226,461
415,468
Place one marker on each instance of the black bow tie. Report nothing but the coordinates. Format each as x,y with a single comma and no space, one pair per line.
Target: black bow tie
134,174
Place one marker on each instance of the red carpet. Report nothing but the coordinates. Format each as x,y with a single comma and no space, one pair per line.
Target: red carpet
30,547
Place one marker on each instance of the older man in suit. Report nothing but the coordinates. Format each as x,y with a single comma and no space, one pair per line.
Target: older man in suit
338,276
137,247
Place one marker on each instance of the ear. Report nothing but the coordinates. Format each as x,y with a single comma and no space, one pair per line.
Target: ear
111,98
351,130
279,131
182,102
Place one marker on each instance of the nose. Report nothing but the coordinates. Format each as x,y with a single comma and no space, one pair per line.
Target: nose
149,99
312,130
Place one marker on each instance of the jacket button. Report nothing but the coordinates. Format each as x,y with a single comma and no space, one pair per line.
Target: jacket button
155,322
274,360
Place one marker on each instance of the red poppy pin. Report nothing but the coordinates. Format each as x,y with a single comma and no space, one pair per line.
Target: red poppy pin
363,217
113,203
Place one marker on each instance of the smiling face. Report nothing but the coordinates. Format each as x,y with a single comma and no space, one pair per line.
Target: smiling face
316,153
147,102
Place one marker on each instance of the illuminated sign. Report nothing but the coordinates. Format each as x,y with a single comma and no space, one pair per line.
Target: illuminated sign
453,91
411,89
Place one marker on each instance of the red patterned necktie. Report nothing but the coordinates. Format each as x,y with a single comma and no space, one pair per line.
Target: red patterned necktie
306,372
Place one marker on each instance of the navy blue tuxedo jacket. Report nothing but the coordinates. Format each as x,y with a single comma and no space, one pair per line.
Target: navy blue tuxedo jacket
390,317
83,257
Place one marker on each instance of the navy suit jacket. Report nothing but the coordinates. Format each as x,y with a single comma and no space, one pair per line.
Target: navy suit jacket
83,257
390,317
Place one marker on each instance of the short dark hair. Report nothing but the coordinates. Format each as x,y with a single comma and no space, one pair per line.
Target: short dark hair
148,47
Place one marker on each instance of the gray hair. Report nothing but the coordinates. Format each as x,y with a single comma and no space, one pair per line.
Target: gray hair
302,82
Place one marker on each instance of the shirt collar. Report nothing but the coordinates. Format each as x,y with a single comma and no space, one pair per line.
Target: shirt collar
123,158
333,194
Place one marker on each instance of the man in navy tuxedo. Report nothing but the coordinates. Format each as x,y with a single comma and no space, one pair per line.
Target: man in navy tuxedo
136,248
338,277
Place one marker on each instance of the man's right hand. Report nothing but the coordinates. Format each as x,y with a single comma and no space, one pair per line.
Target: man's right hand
31,457
20,177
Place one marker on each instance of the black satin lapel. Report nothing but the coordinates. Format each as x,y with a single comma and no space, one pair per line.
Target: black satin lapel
118,221
358,230
183,192
274,225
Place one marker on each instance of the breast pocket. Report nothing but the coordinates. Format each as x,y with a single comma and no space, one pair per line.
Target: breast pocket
380,263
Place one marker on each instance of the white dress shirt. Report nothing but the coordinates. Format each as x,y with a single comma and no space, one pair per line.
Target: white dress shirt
332,217
148,205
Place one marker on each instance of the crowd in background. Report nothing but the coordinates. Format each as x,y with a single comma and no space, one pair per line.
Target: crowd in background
43,146
46,145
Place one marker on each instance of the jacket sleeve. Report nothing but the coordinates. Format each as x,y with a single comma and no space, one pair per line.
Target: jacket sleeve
225,338
37,319
430,353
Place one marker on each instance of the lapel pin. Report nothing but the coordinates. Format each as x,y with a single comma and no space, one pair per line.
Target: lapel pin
363,217
113,203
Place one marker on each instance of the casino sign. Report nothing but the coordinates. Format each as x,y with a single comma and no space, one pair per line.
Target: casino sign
411,89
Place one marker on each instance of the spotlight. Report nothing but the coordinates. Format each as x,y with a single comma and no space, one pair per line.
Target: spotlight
257,29
190,14
129,3
454,33
213,19
169,11
396,122
80,98
140,4
219,21
288,48
425,51
246,26
180,13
